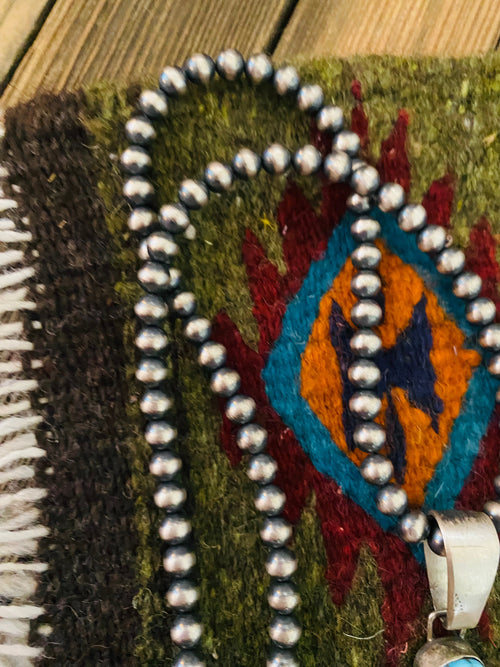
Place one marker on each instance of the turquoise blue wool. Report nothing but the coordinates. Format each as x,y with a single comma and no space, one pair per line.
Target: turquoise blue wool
282,376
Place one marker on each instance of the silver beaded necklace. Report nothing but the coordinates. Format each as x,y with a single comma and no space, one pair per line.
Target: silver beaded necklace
461,548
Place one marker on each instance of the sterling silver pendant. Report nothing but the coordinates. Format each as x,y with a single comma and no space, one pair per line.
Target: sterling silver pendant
447,652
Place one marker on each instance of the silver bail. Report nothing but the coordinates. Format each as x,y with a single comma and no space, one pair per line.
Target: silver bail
462,579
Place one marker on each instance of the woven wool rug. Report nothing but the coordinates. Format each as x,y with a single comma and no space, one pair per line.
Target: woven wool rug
81,579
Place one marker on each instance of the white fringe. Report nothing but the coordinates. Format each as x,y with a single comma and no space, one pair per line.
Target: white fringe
20,517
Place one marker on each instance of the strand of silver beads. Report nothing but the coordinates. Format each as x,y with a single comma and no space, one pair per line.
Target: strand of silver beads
164,296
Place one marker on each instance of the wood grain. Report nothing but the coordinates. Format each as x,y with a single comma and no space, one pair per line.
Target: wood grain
400,27
123,40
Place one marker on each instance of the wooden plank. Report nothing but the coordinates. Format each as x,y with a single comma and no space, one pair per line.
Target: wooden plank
400,27
123,40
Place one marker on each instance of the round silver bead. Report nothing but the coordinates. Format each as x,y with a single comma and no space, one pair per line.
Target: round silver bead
270,500
193,194
179,560
230,64
494,365
262,469
310,98
286,80
376,469
358,203
412,218
492,509
369,437
199,68
391,197
435,540
142,251
155,403
151,371
467,285
281,563
151,309
283,597
307,160
480,311
240,409
153,103
357,163
225,382
138,191
182,595
366,313
259,68
154,277
366,284
251,438
337,166
160,434
162,247
366,256
197,330
135,160
151,340
364,373
432,239
212,355
414,527
276,159
279,658
141,220
365,405
365,343
285,631
392,500
165,465
330,119
140,131
348,142
170,497
188,659
218,177
365,180
365,229
173,82
174,218
246,164
496,485
489,337
175,529
184,304
185,631
450,261
275,532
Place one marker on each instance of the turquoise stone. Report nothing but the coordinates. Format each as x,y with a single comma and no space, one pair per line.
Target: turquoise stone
464,662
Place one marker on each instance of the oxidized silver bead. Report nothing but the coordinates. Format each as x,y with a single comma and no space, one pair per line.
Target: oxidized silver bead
412,218
432,239
310,98
365,343
135,160
138,191
366,313
153,103
151,309
366,256
357,163
365,180
358,203
160,434
494,365
285,631
151,340
154,277
337,166
330,119
365,404
225,382
450,261
173,82
184,304
218,177
142,251
175,528
392,500
259,68
480,311
197,330
365,229
185,631
275,532
414,527
364,373
199,68
212,355
436,540
240,409
155,403
347,141
369,437
376,469
151,371
489,337
286,80
262,469
366,284
174,218
230,64
141,220
270,500
193,194
307,160
165,465
468,285
170,497
246,164
251,438
281,563
283,597
188,659
391,197
276,159
162,247
190,233
496,485
140,131
279,658
182,595
179,560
